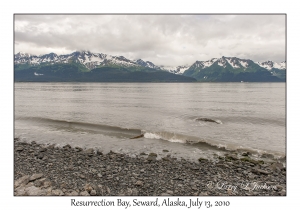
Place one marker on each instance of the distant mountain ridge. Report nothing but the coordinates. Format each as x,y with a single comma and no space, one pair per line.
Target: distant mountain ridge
85,66
232,69
88,59
216,69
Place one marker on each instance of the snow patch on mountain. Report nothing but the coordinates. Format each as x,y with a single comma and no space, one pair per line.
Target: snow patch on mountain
147,64
182,69
233,62
209,62
222,62
244,63
175,69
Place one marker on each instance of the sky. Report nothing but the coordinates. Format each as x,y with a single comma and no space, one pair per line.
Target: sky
168,40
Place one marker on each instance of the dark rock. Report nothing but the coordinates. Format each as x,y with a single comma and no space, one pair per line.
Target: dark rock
166,159
230,157
153,154
270,156
282,159
165,150
67,147
246,154
152,157
78,149
203,160
247,159
195,168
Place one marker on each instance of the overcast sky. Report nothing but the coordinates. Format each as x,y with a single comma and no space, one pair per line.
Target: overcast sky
162,39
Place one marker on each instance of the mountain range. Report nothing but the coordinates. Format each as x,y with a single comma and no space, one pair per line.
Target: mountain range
98,67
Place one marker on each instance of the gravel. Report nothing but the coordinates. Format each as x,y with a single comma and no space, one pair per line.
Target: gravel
44,170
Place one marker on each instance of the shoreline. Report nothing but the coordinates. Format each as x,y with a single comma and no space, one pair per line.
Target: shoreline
46,170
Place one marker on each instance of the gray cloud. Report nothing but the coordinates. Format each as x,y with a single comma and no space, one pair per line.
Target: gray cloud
162,39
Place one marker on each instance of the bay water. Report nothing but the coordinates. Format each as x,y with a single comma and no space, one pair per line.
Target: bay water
184,120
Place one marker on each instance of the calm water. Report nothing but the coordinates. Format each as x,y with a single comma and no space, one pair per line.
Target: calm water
249,116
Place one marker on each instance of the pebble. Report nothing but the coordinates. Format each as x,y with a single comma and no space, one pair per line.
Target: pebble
169,192
57,192
139,183
73,172
260,171
19,149
93,192
203,194
84,193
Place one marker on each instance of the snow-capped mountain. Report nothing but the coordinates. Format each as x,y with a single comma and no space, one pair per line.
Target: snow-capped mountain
270,65
88,59
85,66
147,64
233,62
237,63
92,60
234,69
215,66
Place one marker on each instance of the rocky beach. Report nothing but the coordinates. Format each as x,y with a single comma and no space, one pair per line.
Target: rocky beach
48,170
